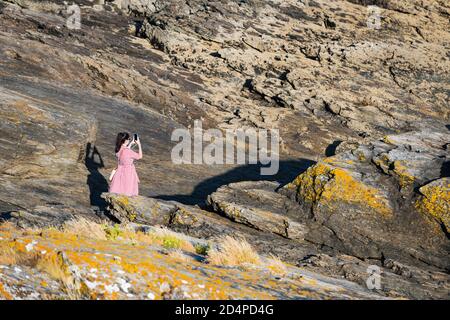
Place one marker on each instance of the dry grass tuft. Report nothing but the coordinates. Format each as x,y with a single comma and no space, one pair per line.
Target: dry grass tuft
179,255
57,269
86,228
276,266
172,240
233,252
53,267
160,236
8,256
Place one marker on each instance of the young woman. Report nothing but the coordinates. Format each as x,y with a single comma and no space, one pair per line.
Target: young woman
125,180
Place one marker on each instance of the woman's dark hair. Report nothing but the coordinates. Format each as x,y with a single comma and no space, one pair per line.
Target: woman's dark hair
121,137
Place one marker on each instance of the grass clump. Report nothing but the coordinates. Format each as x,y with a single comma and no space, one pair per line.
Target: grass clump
233,252
113,232
158,236
86,228
276,266
179,255
202,249
171,242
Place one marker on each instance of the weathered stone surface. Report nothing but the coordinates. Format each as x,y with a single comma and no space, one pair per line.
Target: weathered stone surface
366,198
44,216
436,200
40,138
199,223
398,279
312,69
139,209
257,205
268,61
102,269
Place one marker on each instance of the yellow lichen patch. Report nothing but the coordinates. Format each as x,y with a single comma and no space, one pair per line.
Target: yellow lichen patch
123,200
361,156
8,255
15,253
328,184
406,179
388,140
383,162
436,200
330,160
104,269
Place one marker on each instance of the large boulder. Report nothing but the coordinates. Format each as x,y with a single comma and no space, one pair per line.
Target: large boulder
257,205
193,221
367,203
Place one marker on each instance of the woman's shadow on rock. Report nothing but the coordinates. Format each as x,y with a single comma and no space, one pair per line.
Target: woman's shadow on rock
288,170
95,180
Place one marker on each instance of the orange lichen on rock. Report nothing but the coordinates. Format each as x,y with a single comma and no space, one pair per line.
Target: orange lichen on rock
327,184
5,294
90,268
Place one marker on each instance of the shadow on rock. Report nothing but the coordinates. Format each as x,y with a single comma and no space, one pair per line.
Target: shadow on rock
445,169
95,180
331,149
288,171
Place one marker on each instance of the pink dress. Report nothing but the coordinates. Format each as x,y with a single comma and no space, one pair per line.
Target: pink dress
125,180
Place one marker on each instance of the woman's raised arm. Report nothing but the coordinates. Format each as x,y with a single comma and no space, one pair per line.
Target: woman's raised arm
138,141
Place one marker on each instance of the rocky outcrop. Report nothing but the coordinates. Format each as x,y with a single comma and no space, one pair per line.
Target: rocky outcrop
367,200
436,201
257,205
193,221
41,138
89,268
376,97
268,61
398,279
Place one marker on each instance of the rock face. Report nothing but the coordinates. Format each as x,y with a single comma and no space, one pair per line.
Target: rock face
204,224
435,201
399,279
106,269
367,198
359,96
266,63
257,205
